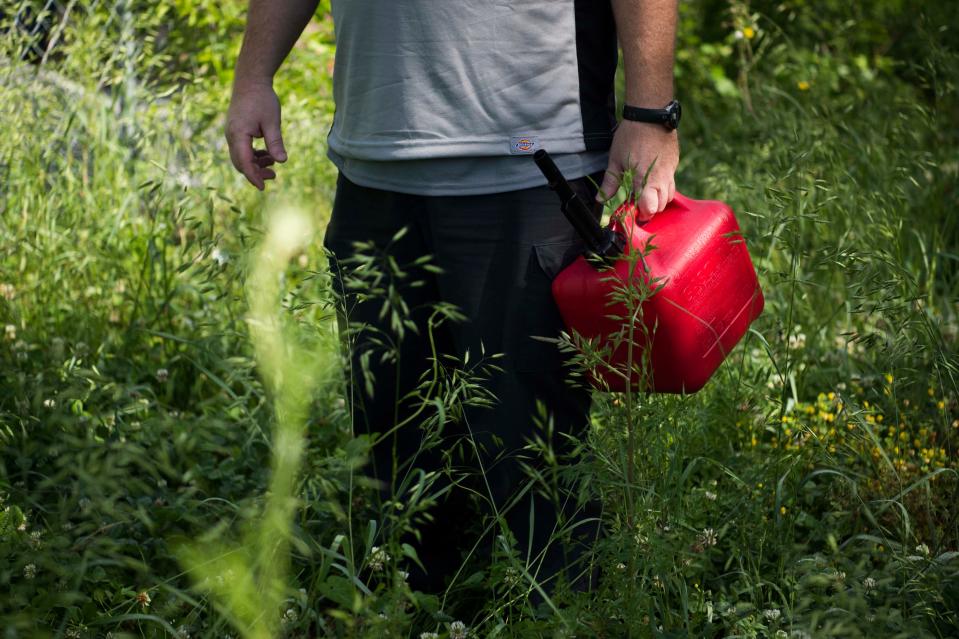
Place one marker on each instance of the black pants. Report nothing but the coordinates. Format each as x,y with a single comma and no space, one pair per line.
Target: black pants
496,255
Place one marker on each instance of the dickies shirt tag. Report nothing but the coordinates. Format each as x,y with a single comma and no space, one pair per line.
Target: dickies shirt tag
523,144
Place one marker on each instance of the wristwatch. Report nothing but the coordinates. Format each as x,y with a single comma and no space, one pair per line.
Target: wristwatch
668,116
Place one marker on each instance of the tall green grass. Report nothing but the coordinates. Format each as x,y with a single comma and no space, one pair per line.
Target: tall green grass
147,401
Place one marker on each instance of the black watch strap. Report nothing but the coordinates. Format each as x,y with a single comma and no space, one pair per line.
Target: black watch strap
668,116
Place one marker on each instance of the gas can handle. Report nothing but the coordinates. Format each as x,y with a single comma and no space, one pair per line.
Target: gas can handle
604,242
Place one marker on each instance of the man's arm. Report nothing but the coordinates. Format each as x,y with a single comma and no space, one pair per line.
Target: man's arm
647,34
272,27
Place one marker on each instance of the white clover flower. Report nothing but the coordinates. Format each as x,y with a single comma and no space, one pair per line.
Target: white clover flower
402,575
707,538
738,34
8,291
35,538
10,331
29,571
378,558
290,616
797,341
162,375
869,583
143,598
49,403
429,635
620,566
772,614
710,495
923,550
458,630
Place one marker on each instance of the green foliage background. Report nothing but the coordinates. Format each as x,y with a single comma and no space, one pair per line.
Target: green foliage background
133,412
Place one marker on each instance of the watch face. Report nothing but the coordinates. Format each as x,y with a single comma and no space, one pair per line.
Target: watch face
675,112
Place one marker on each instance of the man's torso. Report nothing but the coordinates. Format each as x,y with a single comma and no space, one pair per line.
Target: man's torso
451,97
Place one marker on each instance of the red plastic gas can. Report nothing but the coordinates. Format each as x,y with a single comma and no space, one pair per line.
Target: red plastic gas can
706,294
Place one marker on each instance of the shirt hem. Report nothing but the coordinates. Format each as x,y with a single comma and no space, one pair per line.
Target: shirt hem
454,189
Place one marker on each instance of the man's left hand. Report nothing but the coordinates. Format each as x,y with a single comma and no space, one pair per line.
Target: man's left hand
638,145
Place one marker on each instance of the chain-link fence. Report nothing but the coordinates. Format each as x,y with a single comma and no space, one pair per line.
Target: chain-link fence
33,23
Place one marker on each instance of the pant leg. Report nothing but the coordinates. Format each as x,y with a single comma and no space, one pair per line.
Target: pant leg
392,355
499,254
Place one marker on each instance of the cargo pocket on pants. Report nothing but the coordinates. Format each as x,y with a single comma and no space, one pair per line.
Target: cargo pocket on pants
541,318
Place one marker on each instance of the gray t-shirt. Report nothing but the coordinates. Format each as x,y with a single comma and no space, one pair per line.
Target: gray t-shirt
451,97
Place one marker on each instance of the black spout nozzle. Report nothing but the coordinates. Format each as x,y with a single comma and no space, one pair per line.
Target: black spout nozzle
603,242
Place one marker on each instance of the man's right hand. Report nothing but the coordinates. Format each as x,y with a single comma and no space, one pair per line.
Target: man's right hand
254,113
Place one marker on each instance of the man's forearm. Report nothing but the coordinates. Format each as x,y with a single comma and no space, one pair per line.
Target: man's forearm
647,34
272,28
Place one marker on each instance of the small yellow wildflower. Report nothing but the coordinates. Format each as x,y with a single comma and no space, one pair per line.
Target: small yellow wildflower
940,405
889,378
782,510
749,33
